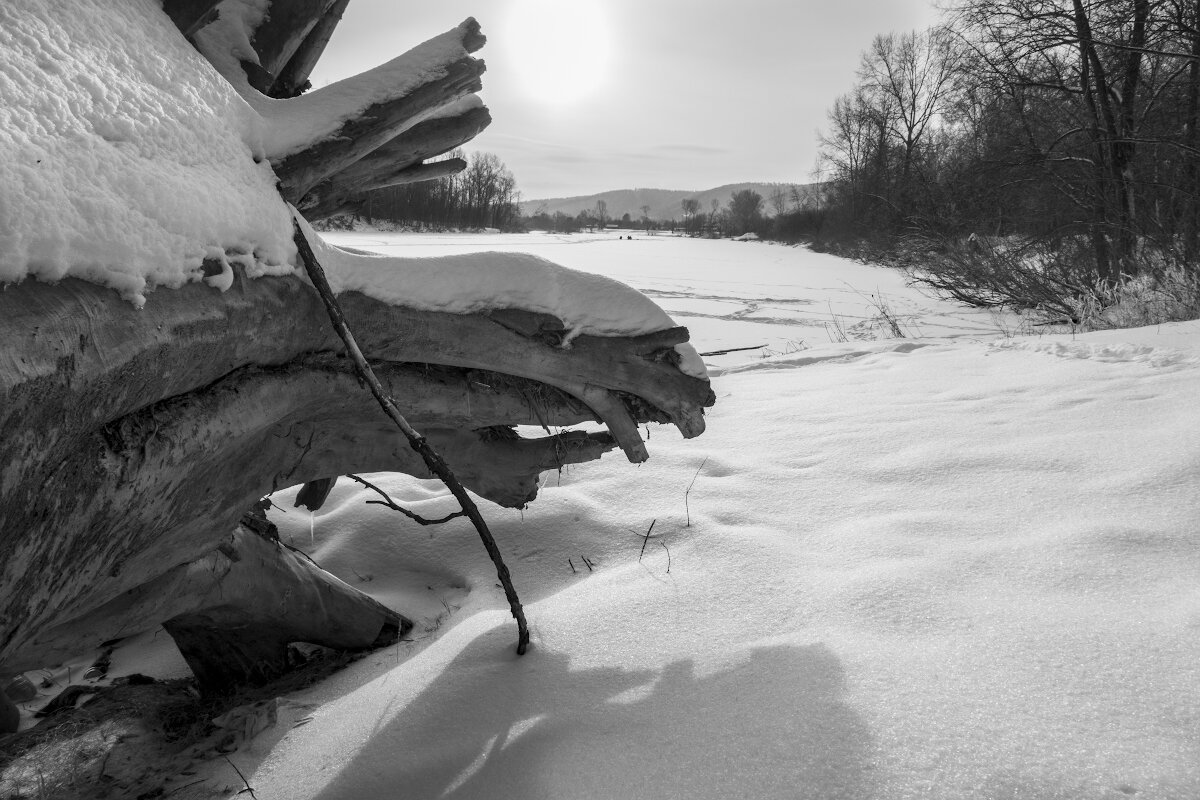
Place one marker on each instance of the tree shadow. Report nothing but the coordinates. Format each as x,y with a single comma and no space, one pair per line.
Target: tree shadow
493,726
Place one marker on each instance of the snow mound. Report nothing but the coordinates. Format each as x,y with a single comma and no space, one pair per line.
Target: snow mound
585,302
956,573
124,157
1112,352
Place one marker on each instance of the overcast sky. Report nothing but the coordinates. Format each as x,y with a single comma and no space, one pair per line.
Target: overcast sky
667,94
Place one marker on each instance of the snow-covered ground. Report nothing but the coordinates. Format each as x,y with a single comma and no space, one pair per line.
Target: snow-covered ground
954,565
729,294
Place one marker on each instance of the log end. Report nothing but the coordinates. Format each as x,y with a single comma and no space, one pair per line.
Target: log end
473,39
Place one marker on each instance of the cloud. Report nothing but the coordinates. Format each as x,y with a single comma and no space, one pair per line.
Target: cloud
692,150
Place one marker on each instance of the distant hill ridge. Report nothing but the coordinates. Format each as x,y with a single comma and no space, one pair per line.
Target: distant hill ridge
663,203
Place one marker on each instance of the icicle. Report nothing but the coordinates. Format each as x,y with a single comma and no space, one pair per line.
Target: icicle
312,528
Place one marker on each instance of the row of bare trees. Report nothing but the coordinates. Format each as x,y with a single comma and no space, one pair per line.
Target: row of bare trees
1068,129
747,211
484,195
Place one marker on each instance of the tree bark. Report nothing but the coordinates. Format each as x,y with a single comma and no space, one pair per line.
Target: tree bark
293,77
191,15
378,124
394,163
284,30
236,628
10,715
133,439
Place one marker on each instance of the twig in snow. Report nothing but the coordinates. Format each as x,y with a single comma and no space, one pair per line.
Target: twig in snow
732,350
181,788
572,563
587,562
664,547
689,491
387,501
433,461
243,777
647,538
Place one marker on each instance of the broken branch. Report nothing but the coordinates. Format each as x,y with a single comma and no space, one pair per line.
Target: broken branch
432,460
387,501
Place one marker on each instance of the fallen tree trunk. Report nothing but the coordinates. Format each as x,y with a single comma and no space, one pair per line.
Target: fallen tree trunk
430,457
132,440
135,439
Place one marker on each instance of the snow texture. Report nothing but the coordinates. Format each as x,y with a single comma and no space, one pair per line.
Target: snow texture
940,568
127,161
124,158
288,126
585,302
956,567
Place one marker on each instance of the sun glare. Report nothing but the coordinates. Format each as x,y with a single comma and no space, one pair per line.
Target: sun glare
561,48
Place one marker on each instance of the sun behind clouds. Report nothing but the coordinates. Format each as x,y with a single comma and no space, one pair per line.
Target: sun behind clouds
561,49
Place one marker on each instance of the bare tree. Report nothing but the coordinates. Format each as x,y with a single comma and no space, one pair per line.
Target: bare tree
745,211
779,200
691,207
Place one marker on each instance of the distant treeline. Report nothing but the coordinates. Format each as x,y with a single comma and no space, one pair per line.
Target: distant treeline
1035,152
746,211
484,195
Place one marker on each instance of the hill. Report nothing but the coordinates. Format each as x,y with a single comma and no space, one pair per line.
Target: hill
663,203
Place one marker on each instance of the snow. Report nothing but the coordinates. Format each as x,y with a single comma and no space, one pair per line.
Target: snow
123,156
288,126
728,294
962,564
127,161
464,283
946,567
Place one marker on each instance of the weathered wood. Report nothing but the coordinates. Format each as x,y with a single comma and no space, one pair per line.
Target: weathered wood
103,408
422,172
10,715
154,487
191,15
637,365
352,199
432,459
131,440
391,163
314,493
378,124
423,141
236,628
284,29
293,77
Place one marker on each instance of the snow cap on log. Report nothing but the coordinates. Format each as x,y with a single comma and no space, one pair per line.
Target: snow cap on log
585,302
